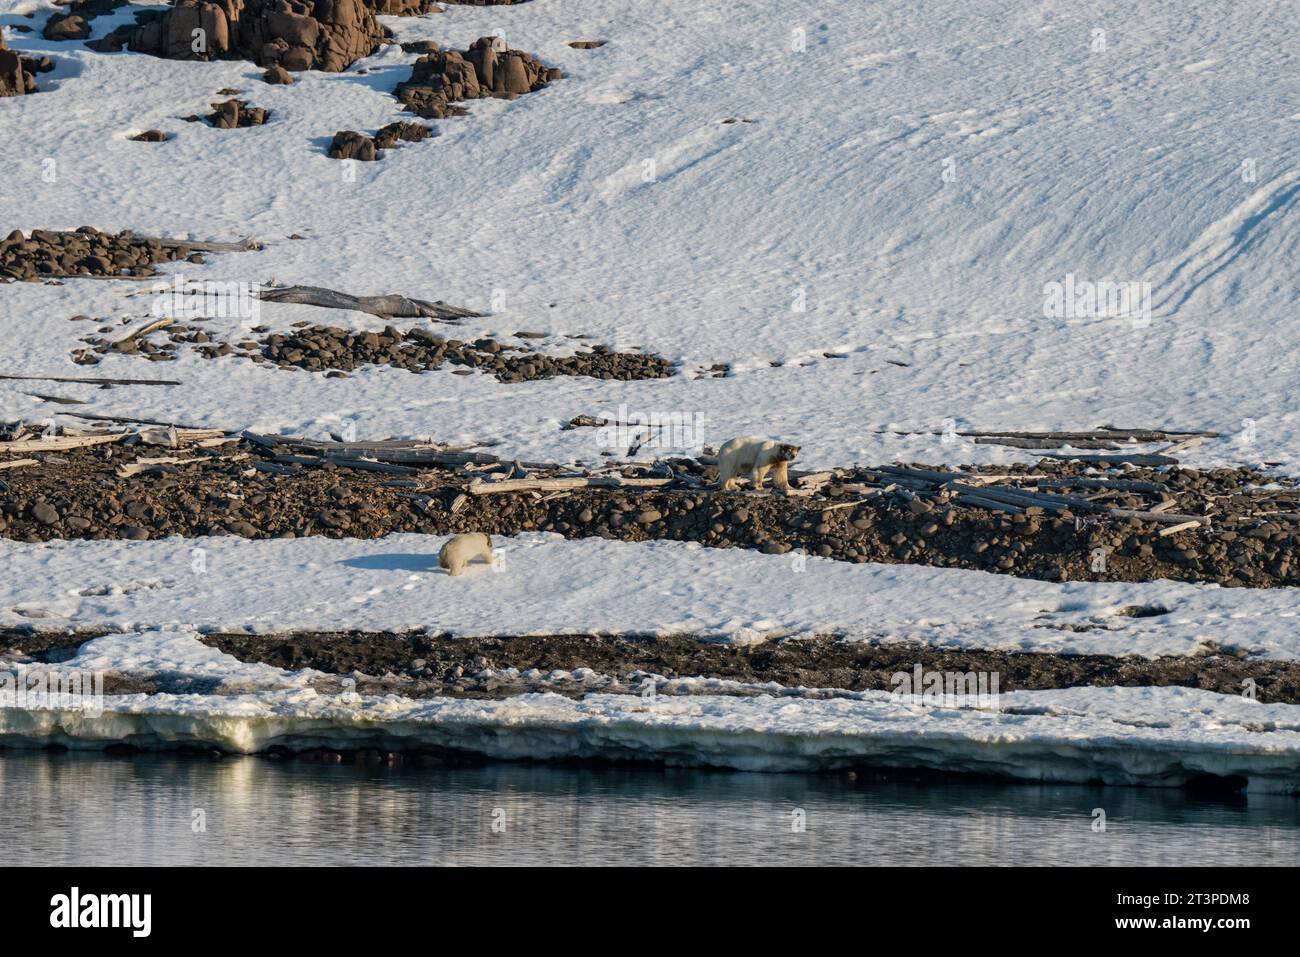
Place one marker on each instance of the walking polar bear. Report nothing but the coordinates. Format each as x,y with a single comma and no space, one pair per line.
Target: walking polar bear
754,456
460,550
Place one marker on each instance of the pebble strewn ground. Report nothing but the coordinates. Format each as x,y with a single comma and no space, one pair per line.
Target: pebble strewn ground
219,491
47,254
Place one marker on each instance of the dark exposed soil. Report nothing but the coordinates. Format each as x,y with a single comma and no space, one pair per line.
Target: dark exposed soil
241,489
435,663
418,664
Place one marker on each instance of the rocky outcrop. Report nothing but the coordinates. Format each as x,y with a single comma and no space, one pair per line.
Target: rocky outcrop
349,144
18,73
488,68
235,113
327,35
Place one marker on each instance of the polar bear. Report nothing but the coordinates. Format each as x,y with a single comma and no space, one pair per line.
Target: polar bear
755,456
460,550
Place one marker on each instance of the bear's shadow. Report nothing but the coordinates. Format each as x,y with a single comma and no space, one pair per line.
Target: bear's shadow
394,562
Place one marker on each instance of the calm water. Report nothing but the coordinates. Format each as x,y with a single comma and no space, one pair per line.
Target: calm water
94,809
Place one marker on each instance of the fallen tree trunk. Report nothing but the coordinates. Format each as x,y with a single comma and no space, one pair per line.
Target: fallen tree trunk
1121,459
144,330
90,381
558,484
198,245
56,443
386,307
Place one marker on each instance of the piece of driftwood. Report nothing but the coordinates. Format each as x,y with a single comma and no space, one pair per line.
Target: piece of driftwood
274,468
970,498
1182,527
1123,485
144,330
90,381
1101,434
1134,458
126,419
198,245
1166,517
17,463
1056,503
56,399
367,465
386,307
55,443
1017,442
1182,446
479,487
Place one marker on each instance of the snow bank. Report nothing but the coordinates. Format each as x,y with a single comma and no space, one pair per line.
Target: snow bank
547,585
1147,736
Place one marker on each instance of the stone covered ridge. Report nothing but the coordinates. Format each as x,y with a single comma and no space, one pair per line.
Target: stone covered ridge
327,35
488,68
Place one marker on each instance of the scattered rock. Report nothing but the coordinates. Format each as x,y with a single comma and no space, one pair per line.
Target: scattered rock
66,26
351,145
278,74
150,136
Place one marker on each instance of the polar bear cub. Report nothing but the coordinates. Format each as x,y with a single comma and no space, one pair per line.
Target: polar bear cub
754,456
460,550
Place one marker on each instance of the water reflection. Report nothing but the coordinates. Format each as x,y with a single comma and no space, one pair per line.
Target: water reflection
93,809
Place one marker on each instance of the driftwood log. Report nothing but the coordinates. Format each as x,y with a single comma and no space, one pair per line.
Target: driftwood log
89,381
386,307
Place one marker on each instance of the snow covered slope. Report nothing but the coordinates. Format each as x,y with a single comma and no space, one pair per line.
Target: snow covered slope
915,175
